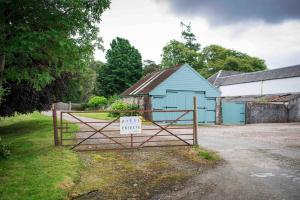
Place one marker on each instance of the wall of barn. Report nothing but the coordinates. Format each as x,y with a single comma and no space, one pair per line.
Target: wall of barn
276,86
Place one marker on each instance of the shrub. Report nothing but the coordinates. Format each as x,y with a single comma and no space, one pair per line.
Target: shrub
97,102
113,99
4,149
119,106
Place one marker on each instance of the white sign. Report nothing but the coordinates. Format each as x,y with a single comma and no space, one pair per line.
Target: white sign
130,125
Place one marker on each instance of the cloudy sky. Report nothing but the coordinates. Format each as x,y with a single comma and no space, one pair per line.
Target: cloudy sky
269,29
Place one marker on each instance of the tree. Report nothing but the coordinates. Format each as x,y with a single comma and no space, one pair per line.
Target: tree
123,68
219,58
208,60
189,37
80,86
176,52
150,66
44,42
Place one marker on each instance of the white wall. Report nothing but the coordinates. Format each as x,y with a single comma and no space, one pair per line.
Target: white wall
276,86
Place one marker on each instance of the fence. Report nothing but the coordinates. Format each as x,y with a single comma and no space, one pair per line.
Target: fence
105,134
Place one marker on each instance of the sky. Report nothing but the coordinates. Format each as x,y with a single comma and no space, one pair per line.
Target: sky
268,29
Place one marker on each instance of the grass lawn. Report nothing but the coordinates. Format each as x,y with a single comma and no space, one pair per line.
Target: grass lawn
35,169
101,116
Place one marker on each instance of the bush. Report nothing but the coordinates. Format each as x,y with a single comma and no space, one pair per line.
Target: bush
112,99
119,106
4,149
97,102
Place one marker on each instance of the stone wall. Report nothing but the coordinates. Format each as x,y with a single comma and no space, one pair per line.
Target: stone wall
294,110
144,102
266,113
68,106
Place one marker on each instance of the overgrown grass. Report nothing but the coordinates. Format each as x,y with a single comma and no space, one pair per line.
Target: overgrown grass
35,168
126,175
139,174
101,116
199,155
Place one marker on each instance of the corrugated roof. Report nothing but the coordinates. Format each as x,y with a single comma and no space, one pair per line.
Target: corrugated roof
262,98
212,79
286,72
150,81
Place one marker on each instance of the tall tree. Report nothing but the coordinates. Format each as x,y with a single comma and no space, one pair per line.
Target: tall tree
43,43
188,51
123,68
189,37
219,58
150,66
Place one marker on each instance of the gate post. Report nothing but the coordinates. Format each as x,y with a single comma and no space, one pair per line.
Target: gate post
195,121
55,131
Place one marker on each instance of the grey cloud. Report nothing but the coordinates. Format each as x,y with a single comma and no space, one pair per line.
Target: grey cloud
232,11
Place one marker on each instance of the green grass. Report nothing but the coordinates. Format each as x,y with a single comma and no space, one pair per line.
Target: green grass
36,169
200,155
101,116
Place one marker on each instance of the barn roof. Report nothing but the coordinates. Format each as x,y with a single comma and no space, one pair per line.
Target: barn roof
150,81
286,72
262,98
221,73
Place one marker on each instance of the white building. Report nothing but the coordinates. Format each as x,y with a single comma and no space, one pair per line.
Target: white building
270,82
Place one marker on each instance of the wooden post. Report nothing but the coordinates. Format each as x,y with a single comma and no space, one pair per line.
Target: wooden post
195,118
131,139
55,131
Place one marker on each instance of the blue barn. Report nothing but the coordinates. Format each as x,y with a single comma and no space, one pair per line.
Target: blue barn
174,89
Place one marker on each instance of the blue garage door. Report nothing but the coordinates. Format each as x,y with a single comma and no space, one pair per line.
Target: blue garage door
233,113
181,100
210,110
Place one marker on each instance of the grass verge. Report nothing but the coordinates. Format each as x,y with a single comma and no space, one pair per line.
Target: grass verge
35,169
101,116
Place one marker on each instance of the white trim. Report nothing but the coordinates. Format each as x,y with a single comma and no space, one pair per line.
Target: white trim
142,86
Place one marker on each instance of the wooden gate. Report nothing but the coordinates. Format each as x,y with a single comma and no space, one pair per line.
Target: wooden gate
105,134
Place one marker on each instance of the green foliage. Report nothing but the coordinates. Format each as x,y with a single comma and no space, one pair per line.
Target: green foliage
206,155
4,149
209,60
81,84
112,99
150,66
189,37
219,58
36,169
97,102
123,68
43,42
176,52
121,106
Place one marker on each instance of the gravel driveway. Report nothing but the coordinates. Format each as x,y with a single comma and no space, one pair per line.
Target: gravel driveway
262,162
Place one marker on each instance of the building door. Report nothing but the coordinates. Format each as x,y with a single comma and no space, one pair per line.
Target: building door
233,113
210,110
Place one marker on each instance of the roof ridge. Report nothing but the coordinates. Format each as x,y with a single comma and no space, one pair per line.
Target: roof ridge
267,70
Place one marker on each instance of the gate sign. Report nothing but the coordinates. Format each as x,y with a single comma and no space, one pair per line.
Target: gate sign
130,125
